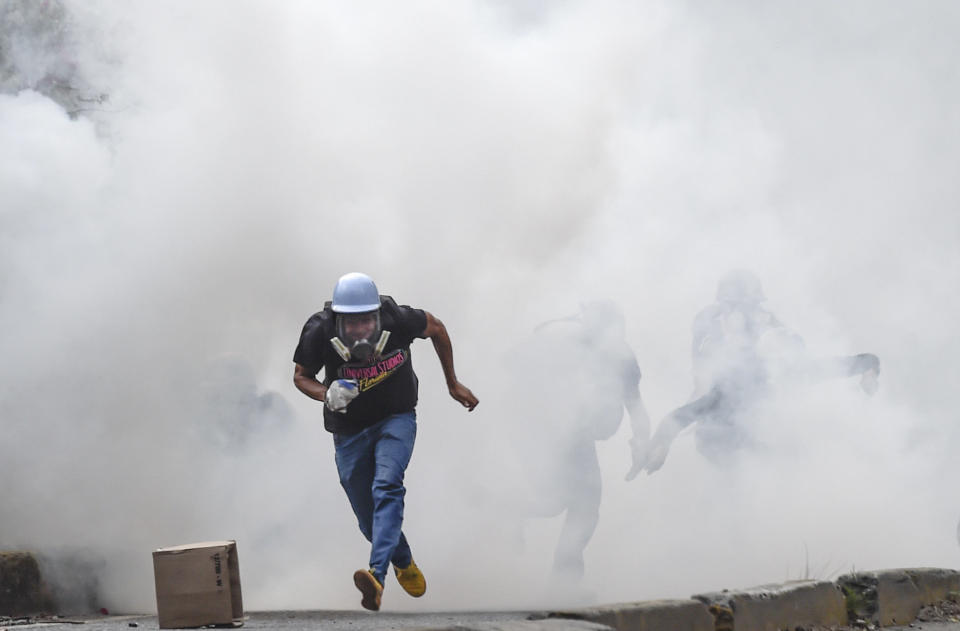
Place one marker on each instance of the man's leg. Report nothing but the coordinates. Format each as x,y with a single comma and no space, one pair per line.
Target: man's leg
393,448
401,554
355,465
583,511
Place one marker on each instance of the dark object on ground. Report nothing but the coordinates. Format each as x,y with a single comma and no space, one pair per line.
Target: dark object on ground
21,591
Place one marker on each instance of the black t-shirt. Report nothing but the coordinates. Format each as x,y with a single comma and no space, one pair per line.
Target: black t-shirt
387,383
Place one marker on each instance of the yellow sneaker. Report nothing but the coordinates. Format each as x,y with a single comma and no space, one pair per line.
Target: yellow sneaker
370,587
411,579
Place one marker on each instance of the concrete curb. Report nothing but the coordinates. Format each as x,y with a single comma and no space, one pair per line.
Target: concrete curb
780,606
889,597
884,597
645,616
935,584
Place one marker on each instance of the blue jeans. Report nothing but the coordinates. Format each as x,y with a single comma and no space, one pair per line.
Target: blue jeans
371,465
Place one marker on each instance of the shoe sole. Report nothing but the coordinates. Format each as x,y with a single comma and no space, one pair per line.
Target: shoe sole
368,587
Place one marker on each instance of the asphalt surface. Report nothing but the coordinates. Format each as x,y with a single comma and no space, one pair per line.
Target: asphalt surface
292,621
343,621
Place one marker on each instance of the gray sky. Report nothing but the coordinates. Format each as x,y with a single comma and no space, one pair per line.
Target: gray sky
494,163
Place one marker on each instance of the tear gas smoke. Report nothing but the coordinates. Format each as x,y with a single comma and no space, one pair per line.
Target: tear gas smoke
181,185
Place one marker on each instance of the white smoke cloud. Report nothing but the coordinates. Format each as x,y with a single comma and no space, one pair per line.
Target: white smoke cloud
495,163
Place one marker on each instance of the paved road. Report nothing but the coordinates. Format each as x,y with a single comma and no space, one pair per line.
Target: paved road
349,621
295,621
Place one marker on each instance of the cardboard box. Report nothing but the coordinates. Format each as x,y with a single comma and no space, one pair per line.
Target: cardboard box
198,584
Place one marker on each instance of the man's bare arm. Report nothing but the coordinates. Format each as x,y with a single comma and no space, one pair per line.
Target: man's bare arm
308,384
441,344
640,423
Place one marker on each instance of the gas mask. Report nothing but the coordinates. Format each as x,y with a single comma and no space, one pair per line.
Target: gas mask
359,337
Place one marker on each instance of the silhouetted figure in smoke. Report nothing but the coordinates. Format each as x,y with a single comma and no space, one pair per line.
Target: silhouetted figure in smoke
579,374
739,350
233,409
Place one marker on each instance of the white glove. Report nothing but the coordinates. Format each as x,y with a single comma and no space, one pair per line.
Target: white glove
340,393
